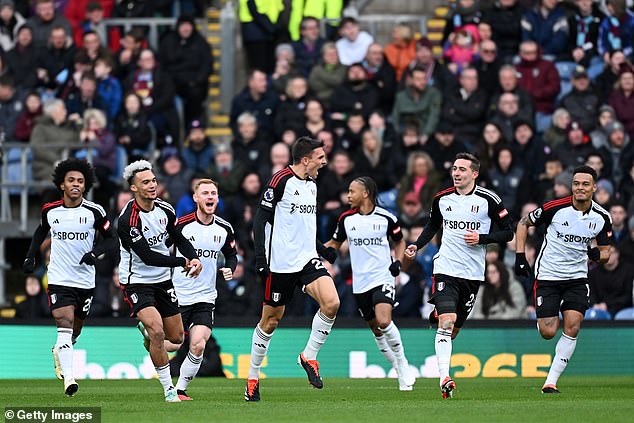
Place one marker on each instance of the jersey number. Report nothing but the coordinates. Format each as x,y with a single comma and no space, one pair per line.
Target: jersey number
87,305
173,296
388,290
317,263
469,304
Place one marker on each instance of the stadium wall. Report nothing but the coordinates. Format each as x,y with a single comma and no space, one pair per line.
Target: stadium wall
117,352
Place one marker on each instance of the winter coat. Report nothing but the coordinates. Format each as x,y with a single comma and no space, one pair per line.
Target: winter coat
47,132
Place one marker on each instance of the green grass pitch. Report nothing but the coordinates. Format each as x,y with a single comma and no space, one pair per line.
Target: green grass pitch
584,399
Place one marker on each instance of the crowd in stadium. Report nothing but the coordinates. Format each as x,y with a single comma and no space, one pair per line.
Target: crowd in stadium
533,90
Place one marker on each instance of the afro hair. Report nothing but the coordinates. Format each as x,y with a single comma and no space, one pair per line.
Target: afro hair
73,164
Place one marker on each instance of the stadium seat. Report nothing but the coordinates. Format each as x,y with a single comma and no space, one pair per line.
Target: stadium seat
625,314
596,314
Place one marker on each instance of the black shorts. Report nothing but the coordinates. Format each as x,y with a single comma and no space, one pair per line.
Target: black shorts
198,314
161,295
61,296
552,296
454,295
367,300
280,287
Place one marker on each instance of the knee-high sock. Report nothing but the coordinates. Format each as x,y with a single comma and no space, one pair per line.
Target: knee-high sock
443,352
165,377
563,351
259,346
393,336
385,349
320,330
189,369
64,348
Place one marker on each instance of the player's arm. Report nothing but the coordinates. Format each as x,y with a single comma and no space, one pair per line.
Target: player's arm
395,234
333,244
601,253
38,237
193,266
522,268
231,256
131,237
263,215
327,252
504,232
429,231
107,243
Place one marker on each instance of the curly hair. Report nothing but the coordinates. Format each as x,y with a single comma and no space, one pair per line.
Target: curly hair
73,164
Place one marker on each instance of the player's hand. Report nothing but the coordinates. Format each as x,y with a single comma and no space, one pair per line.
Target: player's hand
262,269
410,251
193,268
471,237
395,268
522,268
89,258
226,273
594,253
29,265
329,254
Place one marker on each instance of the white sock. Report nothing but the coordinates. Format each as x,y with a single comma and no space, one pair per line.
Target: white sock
64,348
393,337
319,332
563,351
259,346
165,377
189,369
385,349
443,352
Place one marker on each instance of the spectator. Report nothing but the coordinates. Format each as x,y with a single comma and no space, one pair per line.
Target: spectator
96,134
616,30
198,153
68,84
10,22
421,178
606,81
491,141
557,132
257,99
507,114
438,75
528,149
465,108
508,83
596,161
314,118
85,97
187,57
132,129
155,88
93,21
356,94
226,171
241,208
545,184
599,136
461,51
52,127
57,59
290,111
412,212
308,48
259,25
505,18
575,149
540,79
353,44
402,50
584,24
327,75
374,160
620,231
26,120
546,24
22,61
332,191
279,158
443,147
418,103
11,103
488,66
128,55
622,98
506,178
611,284
582,102
466,14
626,190
501,296
108,87
44,20
93,46
35,306
175,178
284,68
381,74
250,146
350,140
618,152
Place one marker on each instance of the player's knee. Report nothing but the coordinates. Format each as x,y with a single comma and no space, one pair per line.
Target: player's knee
330,307
270,324
176,338
547,333
64,322
156,333
198,347
572,330
383,322
446,323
